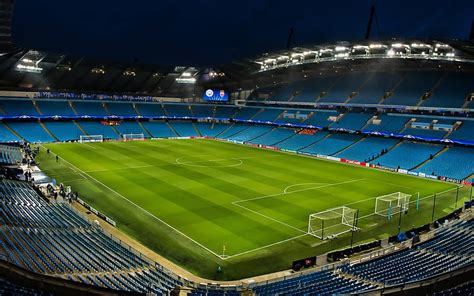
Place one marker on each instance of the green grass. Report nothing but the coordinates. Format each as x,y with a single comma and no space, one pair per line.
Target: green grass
212,194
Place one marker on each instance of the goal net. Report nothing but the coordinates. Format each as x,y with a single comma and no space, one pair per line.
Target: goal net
133,137
332,222
91,138
392,204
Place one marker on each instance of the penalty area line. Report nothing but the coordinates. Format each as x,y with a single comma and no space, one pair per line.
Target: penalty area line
270,218
88,145
147,212
265,247
299,190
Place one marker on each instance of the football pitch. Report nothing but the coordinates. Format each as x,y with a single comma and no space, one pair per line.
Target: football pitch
205,203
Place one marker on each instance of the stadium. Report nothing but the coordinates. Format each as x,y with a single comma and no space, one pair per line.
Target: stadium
327,169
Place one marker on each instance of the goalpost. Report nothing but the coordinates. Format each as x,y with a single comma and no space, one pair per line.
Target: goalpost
333,222
133,137
392,204
90,138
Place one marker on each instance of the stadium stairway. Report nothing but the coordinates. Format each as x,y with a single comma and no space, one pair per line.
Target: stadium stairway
48,131
437,84
258,136
315,142
466,104
165,112
13,131
257,113
287,138
389,149
234,133
393,89
142,126
37,107
80,128
171,127
434,156
71,105
138,112
198,132
328,90
369,122
358,90
225,130
349,146
359,279
115,129
104,105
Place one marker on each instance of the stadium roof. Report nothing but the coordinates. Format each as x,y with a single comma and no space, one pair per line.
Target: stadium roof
26,69
435,50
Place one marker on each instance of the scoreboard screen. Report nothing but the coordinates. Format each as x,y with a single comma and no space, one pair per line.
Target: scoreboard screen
216,95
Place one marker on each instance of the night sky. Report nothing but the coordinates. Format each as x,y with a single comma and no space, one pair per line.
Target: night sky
212,32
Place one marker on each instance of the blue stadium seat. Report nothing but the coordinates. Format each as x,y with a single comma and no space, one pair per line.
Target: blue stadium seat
56,107
121,109
456,162
345,85
375,88
408,155
32,132
332,144
159,129
89,108
300,141
150,109
413,86
452,91
177,110
96,128
64,131
18,107
184,129
367,148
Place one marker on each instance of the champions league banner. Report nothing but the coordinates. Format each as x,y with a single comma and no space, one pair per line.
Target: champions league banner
215,95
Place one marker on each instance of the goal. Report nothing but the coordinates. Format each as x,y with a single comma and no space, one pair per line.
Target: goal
133,137
333,222
392,204
91,138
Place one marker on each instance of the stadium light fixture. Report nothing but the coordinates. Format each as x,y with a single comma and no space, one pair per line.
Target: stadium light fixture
341,55
420,45
98,70
29,62
129,72
376,46
28,68
390,52
340,48
186,80
442,45
398,45
360,47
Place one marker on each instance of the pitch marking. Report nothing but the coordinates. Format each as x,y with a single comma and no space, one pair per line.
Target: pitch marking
89,145
150,214
267,246
270,218
194,163
299,190
300,184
